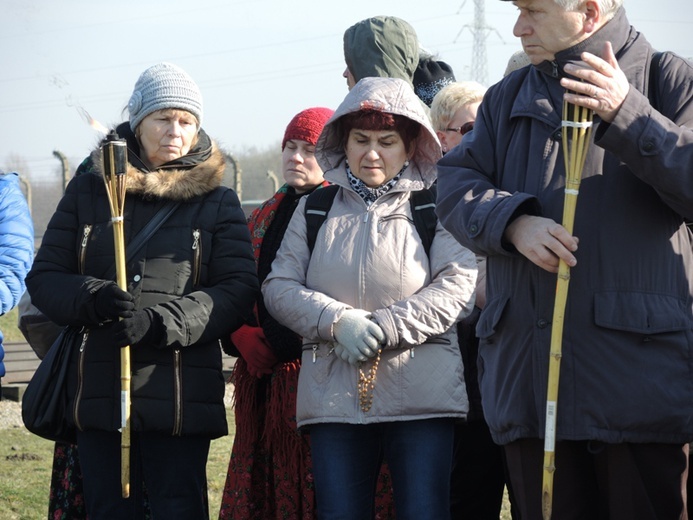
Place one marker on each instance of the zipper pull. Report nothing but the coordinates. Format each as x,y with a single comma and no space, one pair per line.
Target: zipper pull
85,235
196,239
84,341
411,353
315,353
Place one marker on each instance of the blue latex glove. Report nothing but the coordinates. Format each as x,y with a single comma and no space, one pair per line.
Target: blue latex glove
358,338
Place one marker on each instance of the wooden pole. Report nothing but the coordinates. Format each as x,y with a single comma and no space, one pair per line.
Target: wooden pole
114,154
577,121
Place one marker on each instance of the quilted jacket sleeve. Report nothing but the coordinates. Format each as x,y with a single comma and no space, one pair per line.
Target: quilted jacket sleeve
286,285
16,241
436,307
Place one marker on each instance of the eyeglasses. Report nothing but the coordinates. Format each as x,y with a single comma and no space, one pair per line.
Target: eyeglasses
465,128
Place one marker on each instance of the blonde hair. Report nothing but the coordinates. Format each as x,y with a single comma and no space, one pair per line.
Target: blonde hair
451,98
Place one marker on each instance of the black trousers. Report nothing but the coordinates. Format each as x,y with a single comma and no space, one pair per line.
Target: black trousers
599,481
173,470
478,474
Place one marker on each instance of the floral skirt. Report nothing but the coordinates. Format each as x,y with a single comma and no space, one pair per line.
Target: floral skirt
66,495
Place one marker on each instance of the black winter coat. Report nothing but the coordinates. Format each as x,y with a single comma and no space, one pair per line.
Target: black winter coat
197,274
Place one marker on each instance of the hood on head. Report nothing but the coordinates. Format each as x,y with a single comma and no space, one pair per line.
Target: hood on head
382,46
391,95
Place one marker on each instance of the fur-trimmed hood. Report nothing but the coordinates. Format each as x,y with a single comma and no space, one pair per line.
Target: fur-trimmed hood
197,173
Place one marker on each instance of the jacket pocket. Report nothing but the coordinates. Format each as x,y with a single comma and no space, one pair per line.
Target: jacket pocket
82,255
80,380
490,317
317,360
196,258
644,313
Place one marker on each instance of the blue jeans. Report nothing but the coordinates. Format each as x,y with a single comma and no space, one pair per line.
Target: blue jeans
347,458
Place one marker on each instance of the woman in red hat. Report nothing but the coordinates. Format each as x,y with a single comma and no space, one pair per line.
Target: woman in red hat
269,473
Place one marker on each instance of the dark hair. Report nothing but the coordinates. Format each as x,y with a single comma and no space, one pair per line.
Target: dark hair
370,119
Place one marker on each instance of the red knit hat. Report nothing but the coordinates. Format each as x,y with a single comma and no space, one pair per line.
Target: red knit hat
307,125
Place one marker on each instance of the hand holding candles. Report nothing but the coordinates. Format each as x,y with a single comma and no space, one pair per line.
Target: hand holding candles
577,131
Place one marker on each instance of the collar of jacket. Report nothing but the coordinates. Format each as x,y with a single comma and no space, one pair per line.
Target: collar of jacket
197,173
533,87
616,30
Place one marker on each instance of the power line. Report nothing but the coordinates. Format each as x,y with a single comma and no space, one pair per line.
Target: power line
110,22
315,69
480,31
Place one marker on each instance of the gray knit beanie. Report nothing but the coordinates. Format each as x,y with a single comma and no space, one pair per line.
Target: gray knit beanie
164,85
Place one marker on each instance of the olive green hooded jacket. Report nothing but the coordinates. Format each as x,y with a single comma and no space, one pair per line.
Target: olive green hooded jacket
382,46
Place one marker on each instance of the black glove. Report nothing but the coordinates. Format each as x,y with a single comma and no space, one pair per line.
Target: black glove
112,302
142,327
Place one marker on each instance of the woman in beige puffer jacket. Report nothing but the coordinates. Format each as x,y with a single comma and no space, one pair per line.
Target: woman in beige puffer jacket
381,371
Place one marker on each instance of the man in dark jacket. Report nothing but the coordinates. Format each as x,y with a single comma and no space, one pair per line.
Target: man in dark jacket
625,407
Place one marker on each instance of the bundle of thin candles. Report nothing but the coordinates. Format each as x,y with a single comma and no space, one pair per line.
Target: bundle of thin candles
114,156
577,134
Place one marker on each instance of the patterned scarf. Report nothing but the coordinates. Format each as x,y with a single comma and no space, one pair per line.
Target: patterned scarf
261,218
370,195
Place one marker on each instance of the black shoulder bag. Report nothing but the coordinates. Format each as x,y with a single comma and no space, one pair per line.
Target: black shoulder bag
44,403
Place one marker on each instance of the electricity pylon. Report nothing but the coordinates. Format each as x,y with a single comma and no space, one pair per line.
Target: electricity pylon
480,31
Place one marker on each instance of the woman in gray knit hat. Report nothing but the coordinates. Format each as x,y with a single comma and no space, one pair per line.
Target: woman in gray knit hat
191,283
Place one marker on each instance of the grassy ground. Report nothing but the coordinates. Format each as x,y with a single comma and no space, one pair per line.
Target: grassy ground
24,475
25,467
25,464
8,326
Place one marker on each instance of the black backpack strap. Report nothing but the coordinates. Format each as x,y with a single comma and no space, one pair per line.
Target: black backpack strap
317,207
423,206
423,210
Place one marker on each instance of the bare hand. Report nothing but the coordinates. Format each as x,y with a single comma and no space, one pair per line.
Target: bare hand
604,86
542,241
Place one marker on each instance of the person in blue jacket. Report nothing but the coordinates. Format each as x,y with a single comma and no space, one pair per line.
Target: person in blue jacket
16,246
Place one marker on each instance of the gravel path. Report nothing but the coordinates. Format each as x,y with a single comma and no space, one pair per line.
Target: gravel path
10,414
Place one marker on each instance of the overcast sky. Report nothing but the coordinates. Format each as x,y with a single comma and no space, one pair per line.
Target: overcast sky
257,62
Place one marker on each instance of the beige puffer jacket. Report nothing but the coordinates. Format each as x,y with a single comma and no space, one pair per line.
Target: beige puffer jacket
372,258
